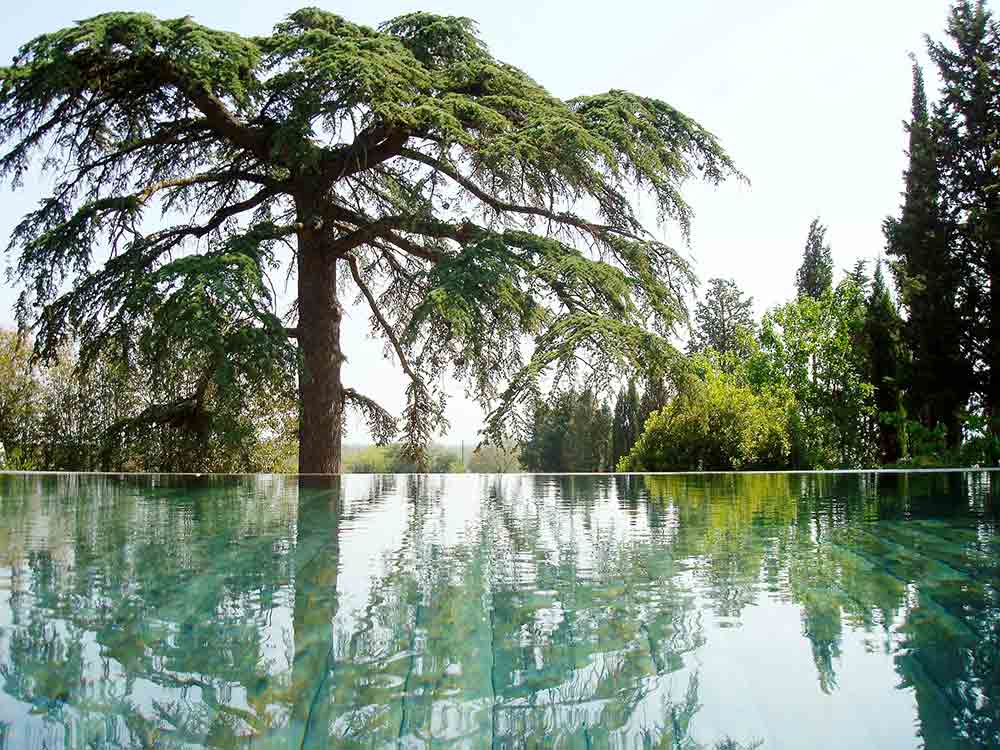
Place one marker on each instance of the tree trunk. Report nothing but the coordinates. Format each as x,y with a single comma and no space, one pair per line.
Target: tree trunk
321,392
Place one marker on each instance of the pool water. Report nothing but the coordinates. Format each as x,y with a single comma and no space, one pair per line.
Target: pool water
678,612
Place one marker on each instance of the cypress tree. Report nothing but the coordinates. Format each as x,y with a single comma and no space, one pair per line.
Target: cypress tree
967,119
885,354
815,275
928,275
626,426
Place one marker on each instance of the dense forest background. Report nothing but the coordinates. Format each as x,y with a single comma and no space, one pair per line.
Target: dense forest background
894,362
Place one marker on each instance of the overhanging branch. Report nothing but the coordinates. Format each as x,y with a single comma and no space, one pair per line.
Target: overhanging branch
381,423
383,323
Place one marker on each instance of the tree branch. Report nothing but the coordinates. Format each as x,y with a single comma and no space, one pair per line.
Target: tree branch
216,114
368,229
381,422
369,149
201,179
373,304
596,230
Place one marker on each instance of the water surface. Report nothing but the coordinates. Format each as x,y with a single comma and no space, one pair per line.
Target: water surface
771,610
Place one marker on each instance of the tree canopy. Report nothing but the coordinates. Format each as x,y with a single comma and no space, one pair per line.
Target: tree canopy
405,166
814,347
928,274
966,124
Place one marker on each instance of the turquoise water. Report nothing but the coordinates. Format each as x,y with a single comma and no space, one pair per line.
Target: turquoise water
699,611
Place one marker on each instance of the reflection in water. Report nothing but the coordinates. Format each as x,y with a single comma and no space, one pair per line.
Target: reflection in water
672,612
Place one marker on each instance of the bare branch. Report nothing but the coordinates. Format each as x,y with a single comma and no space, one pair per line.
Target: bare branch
373,304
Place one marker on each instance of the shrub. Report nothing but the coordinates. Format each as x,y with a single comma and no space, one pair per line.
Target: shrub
716,422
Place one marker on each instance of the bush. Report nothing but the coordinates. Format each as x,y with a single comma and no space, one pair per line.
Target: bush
717,422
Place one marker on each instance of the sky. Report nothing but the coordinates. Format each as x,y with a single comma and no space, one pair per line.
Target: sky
808,98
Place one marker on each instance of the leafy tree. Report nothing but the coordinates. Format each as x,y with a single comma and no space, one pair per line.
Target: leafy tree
967,124
113,417
723,319
716,422
886,356
542,451
929,277
625,427
813,346
815,275
588,447
405,165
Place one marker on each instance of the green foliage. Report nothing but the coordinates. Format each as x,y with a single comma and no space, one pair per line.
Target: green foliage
657,390
885,355
625,426
945,240
495,459
571,432
442,178
966,128
930,447
116,417
20,395
815,276
929,276
813,347
716,422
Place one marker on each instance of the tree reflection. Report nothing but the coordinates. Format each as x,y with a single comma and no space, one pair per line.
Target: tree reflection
533,611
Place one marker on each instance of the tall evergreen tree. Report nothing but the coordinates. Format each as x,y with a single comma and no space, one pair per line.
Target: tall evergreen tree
625,428
815,275
885,354
723,319
590,435
929,278
570,432
967,118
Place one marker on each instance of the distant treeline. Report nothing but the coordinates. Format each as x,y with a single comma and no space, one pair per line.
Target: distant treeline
441,459
123,414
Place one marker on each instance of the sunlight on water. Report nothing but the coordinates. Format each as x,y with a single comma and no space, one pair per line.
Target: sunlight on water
771,610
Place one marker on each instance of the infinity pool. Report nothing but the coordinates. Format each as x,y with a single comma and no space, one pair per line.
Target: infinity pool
678,612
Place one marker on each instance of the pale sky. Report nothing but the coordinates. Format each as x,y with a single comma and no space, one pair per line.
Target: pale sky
808,98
